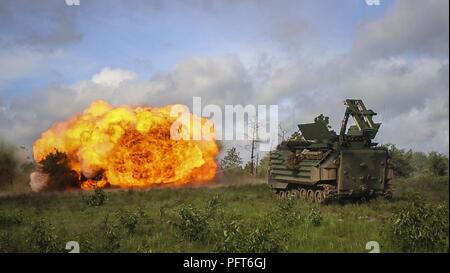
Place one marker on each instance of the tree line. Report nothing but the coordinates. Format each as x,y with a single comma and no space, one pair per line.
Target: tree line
406,163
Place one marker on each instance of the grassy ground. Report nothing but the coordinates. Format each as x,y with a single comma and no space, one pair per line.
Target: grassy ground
243,218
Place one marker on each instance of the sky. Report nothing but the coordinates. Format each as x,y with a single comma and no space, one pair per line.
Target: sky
307,56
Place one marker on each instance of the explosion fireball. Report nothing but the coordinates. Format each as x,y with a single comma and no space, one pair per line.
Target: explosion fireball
130,147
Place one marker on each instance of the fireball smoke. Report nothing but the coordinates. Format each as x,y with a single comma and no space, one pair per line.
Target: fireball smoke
128,147
38,181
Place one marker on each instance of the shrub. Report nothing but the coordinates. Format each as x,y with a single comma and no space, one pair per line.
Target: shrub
42,237
193,224
111,235
8,163
315,217
267,238
97,199
211,225
419,228
10,219
112,239
144,248
232,238
213,208
6,243
286,213
129,220
196,224
238,238
268,235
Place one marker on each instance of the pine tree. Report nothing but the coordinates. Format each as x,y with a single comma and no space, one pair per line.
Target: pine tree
232,162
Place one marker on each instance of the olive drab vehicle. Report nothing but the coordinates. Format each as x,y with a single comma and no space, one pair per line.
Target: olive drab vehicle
319,165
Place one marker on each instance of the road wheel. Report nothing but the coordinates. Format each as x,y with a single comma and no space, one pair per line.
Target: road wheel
277,195
303,194
318,196
311,196
295,194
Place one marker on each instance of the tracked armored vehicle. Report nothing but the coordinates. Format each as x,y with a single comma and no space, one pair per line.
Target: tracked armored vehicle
318,165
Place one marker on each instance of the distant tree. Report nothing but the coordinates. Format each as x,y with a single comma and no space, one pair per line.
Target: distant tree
232,162
263,167
402,161
248,168
61,177
282,132
437,164
8,163
420,162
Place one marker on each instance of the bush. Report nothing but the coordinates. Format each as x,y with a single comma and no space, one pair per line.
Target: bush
315,217
212,226
214,207
232,239
419,228
286,213
193,224
7,244
8,164
97,199
42,238
129,220
266,236
10,219
112,239
111,235
238,238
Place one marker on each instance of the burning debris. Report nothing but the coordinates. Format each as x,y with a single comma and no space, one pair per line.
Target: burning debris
121,147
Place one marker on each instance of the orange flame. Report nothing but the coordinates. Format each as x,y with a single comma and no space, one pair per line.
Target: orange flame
131,147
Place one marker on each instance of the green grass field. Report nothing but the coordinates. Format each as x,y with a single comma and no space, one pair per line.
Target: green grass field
243,218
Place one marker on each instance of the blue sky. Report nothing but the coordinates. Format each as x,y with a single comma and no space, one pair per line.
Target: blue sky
153,39
308,53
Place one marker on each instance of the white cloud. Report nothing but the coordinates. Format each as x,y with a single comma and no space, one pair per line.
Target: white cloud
112,77
422,129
